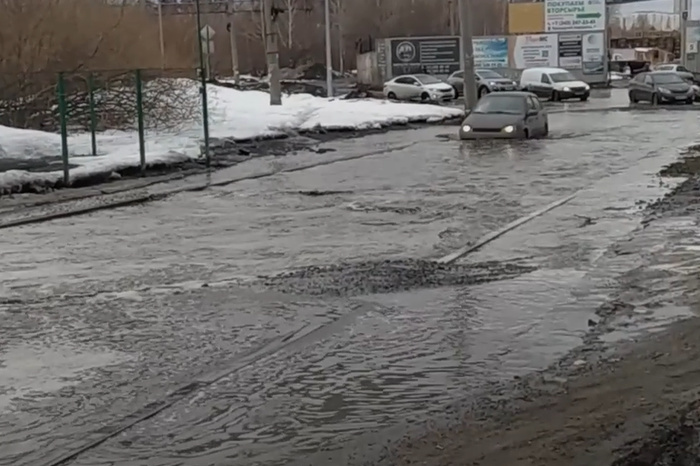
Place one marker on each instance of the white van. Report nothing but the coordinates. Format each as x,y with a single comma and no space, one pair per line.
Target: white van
554,84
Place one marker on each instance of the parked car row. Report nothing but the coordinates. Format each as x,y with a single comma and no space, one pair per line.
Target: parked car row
549,83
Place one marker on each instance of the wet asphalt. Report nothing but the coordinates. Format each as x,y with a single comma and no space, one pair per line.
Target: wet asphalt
263,321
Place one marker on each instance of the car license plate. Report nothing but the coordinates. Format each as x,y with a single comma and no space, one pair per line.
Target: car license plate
680,97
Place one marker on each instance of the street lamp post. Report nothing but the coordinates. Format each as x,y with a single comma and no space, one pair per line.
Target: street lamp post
203,90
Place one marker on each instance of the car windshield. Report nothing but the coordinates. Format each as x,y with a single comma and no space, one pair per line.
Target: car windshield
427,79
508,104
488,74
562,77
666,78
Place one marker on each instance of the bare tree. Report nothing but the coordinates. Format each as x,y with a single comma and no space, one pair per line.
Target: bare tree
337,10
291,7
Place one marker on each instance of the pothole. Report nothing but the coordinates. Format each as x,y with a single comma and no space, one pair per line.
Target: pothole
372,277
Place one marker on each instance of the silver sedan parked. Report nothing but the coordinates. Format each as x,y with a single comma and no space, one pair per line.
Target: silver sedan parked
506,115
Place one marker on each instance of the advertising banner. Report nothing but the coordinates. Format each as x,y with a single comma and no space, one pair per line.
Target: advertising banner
526,18
574,15
534,50
491,52
432,55
570,51
593,53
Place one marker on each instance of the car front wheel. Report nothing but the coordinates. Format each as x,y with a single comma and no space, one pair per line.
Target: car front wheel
391,96
633,97
654,99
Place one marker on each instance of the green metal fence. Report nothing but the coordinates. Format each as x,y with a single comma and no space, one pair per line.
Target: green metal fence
96,101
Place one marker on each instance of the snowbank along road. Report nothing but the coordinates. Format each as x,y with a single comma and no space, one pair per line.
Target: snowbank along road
259,322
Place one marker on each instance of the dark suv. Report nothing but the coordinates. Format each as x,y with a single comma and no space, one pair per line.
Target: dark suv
487,81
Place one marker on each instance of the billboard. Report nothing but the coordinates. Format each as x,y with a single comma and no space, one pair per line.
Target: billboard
574,15
491,52
593,54
432,55
570,51
534,50
526,18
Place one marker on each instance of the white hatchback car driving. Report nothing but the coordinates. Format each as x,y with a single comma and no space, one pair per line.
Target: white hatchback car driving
418,87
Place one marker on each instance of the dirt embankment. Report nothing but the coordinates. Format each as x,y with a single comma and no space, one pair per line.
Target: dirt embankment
638,405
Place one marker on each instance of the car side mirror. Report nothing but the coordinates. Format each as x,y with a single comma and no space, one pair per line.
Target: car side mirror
532,112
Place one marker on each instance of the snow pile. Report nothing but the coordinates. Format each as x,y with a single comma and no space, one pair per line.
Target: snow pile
234,114
248,114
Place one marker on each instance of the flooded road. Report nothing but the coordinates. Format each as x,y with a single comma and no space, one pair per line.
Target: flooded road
171,321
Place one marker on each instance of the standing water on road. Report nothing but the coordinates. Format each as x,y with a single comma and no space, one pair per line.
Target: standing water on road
361,332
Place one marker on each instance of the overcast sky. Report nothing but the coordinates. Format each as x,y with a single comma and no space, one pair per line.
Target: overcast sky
659,5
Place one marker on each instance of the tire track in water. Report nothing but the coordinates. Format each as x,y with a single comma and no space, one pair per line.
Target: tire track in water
290,341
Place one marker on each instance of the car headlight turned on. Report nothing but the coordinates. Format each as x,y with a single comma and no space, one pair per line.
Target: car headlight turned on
509,129
466,128
567,89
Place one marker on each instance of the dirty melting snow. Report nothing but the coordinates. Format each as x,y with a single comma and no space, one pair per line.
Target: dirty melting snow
233,114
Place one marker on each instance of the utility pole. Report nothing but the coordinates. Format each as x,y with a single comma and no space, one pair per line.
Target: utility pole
685,14
329,58
234,47
465,27
272,52
451,11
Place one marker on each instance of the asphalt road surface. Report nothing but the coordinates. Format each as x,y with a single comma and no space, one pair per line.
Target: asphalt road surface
266,320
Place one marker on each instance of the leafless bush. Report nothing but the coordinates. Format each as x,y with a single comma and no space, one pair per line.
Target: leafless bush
39,38
167,103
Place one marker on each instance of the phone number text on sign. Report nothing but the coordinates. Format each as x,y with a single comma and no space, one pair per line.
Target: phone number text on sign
574,15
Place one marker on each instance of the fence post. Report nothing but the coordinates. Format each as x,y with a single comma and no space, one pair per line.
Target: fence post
93,117
63,117
205,119
139,113
203,89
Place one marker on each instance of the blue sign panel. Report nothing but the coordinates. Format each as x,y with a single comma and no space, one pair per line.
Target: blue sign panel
491,52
